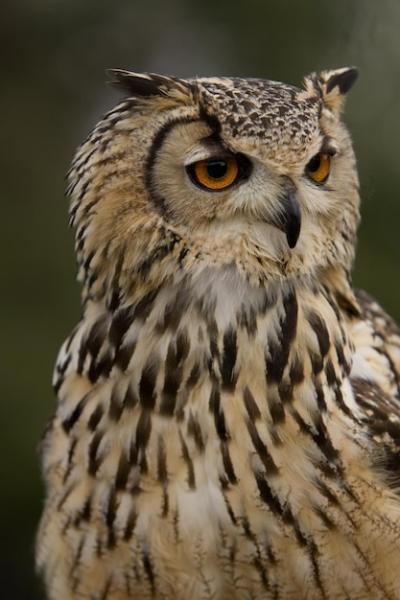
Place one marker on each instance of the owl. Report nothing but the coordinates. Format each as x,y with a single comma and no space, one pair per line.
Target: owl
228,417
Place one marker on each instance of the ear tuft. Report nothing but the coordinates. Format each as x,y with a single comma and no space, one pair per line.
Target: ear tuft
344,79
145,85
332,86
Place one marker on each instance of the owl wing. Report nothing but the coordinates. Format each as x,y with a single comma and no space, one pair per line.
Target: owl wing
375,379
377,346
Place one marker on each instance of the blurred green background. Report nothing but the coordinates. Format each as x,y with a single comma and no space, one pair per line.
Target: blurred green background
52,91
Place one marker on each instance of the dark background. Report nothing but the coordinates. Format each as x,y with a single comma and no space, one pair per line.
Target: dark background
52,91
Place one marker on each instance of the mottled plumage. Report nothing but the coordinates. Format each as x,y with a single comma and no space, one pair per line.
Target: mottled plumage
228,420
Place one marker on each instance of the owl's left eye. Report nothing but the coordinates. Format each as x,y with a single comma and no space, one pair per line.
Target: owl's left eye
217,174
319,167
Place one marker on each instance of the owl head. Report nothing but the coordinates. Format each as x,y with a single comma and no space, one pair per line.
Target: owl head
217,173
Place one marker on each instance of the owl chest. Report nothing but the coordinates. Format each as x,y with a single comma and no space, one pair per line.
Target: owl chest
231,516
199,465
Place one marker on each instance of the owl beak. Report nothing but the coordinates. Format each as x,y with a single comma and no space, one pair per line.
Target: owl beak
289,219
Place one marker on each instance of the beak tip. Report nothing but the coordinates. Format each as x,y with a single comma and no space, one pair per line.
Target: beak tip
292,237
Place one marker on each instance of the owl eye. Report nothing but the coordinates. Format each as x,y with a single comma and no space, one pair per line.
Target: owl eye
218,174
319,167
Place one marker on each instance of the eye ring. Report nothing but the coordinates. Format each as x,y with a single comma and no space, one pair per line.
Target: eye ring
319,167
218,173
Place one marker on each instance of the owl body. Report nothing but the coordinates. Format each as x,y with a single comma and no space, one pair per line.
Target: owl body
228,413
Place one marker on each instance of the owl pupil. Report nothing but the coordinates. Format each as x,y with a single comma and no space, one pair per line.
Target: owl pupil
216,169
314,163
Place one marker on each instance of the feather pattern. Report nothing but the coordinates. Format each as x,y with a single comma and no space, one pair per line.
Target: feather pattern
228,419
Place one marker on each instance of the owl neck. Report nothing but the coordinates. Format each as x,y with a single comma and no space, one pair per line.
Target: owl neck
283,342
286,341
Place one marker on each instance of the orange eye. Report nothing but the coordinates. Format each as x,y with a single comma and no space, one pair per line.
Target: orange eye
215,173
319,167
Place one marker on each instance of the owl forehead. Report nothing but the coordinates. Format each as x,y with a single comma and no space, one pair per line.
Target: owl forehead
276,116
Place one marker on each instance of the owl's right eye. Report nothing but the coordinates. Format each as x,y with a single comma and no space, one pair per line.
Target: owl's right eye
217,174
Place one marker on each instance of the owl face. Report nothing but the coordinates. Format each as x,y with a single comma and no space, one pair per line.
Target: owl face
247,172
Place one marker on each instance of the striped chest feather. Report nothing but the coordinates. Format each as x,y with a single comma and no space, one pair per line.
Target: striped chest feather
208,443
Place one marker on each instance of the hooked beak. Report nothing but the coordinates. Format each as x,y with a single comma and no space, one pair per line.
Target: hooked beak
289,219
